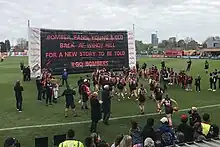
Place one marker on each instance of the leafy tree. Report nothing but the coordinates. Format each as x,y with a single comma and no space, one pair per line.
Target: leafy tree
2,47
142,47
192,44
181,44
163,44
22,43
7,45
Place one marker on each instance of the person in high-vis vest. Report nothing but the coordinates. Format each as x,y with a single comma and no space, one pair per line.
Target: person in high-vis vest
206,127
70,141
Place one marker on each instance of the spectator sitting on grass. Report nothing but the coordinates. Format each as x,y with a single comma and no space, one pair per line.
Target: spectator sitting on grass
185,129
148,142
205,125
167,135
198,135
208,130
96,138
194,116
89,142
148,130
126,141
135,134
102,144
117,140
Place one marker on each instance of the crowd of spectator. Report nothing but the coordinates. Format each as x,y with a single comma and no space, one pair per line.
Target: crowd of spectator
193,127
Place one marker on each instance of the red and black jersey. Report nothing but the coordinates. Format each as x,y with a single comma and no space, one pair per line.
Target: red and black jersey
152,87
133,83
85,90
113,80
167,103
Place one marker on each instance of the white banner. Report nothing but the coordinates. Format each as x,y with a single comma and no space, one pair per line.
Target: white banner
131,50
34,51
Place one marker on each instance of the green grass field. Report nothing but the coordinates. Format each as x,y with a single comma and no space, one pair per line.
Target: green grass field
36,113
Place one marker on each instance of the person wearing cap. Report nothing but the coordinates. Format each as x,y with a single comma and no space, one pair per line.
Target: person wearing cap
185,128
194,116
64,77
96,114
69,95
71,141
106,106
18,89
167,134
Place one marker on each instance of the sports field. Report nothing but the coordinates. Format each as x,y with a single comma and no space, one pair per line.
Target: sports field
39,120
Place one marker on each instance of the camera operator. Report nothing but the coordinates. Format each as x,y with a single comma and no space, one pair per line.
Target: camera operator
12,142
194,116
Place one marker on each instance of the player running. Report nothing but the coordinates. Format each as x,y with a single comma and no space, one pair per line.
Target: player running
158,92
141,97
168,105
133,84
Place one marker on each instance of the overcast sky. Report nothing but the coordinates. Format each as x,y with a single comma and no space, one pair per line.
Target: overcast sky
181,18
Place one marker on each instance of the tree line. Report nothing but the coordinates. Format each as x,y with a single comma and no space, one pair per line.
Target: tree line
21,45
182,44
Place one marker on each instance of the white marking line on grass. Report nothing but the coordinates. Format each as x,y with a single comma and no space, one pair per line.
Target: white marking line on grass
88,121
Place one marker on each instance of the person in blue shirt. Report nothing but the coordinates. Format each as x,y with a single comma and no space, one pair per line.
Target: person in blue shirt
65,77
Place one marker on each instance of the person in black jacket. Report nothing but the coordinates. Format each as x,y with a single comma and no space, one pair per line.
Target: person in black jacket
69,95
148,130
25,73
185,129
18,95
215,79
211,82
22,66
79,83
96,114
106,106
28,73
198,83
194,116
49,92
39,88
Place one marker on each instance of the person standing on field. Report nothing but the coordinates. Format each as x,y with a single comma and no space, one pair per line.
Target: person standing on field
18,89
65,77
206,66
69,95
198,83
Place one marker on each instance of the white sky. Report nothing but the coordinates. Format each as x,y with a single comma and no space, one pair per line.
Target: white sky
195,18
